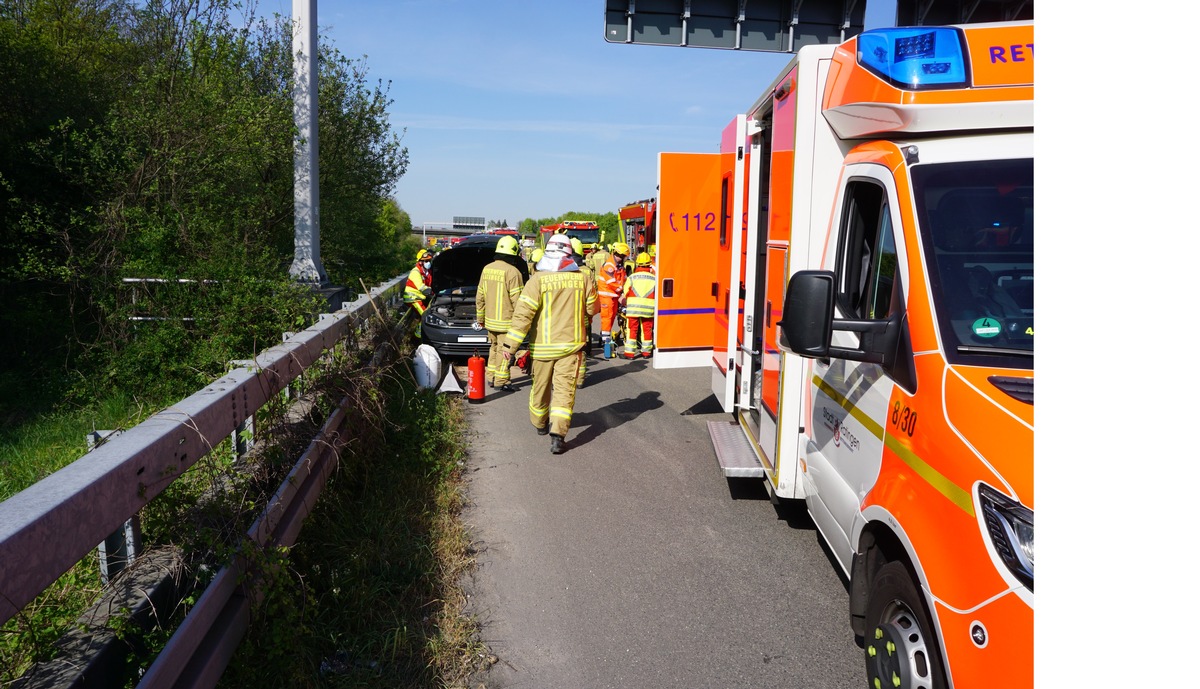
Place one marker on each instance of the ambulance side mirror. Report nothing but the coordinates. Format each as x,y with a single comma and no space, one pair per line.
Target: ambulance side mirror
807,324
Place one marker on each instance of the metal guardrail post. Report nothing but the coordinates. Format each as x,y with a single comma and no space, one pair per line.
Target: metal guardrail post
242,438
120,547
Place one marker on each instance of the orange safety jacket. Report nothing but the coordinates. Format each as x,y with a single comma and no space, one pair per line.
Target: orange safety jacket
611,279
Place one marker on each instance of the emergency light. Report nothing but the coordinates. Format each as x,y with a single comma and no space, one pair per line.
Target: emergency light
915,58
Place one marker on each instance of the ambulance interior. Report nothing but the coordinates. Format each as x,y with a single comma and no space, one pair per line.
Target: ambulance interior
977,228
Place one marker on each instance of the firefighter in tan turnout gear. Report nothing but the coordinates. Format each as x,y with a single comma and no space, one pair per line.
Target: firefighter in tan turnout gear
499,286
553,310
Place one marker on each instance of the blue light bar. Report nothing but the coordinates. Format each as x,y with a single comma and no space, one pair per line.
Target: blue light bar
915,58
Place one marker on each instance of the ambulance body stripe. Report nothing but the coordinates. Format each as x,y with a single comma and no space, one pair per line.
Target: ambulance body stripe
952,491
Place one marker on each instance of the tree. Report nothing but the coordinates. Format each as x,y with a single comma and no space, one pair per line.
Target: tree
153,139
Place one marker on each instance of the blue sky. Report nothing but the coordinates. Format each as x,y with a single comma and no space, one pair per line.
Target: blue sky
520,109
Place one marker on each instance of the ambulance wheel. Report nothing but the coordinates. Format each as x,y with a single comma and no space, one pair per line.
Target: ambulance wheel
900,646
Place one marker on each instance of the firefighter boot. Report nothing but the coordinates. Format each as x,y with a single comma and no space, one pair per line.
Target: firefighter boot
557,446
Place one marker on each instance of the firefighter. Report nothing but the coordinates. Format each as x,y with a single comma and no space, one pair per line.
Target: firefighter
609,283
637,298
533,260
499,286
597,258
549,312
580,260
417,289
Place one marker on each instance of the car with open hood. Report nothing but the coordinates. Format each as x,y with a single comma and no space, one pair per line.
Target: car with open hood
448,323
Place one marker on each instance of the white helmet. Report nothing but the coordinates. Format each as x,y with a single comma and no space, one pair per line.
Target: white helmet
560,243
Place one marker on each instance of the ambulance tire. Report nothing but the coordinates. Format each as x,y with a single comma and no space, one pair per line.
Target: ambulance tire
896,618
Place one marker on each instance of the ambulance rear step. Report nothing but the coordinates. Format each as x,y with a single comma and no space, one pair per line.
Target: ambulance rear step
734,454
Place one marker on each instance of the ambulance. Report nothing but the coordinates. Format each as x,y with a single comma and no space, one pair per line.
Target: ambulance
873,336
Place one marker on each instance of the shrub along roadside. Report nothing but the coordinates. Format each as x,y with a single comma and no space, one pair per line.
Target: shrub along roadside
369,596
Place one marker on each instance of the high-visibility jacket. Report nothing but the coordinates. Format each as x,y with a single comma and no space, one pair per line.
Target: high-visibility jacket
611,279
415,288
596,259
553,310
639,293
499,286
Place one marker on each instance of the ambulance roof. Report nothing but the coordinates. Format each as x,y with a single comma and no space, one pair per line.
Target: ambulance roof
917,80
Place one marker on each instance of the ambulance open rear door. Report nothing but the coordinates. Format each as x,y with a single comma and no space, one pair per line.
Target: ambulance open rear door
727,290
687,221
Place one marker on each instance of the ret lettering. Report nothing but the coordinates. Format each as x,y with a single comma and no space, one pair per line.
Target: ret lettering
1010,53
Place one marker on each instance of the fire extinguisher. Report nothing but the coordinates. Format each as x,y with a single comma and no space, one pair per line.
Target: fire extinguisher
475,367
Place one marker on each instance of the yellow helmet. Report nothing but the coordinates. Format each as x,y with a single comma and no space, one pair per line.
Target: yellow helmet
621,248
643,259
537,255
577,246
507,245
423,254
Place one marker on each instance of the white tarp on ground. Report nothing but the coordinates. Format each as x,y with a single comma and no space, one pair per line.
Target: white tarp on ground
450,383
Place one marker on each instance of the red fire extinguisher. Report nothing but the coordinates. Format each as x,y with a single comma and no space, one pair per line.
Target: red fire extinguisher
475,378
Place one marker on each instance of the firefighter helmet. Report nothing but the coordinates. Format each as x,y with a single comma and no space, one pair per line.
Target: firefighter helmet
507,245
643,259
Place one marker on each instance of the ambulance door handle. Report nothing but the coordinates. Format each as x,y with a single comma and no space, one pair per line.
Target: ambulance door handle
714,289
768,314
751,352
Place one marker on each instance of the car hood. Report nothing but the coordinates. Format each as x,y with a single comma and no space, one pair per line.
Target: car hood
461,266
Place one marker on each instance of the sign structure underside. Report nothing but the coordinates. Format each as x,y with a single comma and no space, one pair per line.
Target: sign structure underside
782,26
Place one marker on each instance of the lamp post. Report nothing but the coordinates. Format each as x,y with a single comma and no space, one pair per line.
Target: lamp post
306,267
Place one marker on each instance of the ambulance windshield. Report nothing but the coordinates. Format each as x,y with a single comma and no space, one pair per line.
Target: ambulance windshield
977,228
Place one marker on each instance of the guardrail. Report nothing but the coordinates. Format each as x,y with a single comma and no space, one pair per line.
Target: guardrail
49,527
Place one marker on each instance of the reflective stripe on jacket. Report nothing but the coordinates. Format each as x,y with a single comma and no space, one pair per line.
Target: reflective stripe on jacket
553,310
414,288
499,286
639,294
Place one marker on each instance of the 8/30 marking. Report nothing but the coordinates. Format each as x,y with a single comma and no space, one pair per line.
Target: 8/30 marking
904,418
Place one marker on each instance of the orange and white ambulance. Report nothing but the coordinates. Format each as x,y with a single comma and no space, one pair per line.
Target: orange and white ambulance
874,337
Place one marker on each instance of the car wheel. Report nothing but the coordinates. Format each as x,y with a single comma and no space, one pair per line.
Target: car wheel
900,645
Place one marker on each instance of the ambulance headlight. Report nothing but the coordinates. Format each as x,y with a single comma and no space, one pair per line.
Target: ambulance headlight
915,58
1009,526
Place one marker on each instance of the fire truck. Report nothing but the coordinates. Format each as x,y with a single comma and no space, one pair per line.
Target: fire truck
637,225
869,228
586,231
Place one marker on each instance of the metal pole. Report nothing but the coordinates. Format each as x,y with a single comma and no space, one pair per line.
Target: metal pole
307,264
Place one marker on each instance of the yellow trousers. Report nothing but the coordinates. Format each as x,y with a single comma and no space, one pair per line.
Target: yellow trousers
553,392
497,368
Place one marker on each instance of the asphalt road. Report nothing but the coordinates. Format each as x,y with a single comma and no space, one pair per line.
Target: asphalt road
630,561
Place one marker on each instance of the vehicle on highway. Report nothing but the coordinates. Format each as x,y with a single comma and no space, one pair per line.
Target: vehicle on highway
875,341
448,323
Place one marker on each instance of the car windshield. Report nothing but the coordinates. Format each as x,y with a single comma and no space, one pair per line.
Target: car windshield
977,229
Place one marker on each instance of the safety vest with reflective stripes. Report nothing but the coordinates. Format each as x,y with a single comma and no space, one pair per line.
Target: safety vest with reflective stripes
414,288
639,294
499,286
611,279
553,310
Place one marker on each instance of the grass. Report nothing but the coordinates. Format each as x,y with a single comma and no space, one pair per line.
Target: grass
368,597
33,448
